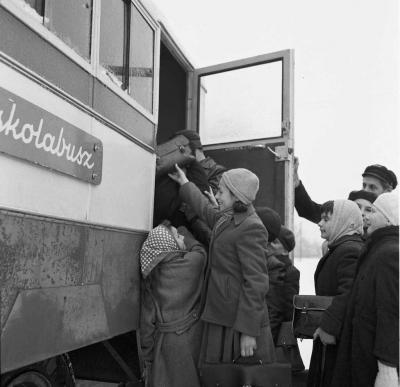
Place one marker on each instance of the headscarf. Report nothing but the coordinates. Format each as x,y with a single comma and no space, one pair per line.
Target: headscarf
346,220
159,242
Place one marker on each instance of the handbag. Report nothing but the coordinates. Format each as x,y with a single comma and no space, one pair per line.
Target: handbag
237,374
307,314
174,151
287,349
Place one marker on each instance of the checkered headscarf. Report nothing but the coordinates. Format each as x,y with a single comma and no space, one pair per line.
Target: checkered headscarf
158,242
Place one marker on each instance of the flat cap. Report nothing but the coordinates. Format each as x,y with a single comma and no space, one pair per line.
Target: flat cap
381,173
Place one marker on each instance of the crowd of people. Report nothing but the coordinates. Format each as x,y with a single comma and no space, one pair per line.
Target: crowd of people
218,281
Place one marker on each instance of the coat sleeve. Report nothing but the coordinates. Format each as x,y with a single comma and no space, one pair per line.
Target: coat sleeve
291,287
191,195
305,207
332,319
251,252
147,323
386,347
192,244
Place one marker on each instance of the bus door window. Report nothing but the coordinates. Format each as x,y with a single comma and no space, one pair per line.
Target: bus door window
243,104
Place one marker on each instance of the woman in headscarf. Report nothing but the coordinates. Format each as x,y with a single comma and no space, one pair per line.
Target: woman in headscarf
341,226
172,265
368,354
235,310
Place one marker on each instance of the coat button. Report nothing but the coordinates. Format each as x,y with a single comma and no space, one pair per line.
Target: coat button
194,315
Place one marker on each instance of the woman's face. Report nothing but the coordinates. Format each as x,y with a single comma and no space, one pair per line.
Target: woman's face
326,226
180,239
365,207
376,220
224,197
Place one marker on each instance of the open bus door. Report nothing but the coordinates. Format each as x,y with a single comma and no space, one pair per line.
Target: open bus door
243,111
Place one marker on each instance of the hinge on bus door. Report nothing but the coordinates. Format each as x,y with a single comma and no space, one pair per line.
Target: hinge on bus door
281,152
285,125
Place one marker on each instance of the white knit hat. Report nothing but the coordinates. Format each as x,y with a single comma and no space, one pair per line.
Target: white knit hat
388,204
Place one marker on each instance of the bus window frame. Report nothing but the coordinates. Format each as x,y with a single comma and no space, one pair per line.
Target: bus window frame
93,66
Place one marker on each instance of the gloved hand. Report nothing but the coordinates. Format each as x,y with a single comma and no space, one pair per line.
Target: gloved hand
387,376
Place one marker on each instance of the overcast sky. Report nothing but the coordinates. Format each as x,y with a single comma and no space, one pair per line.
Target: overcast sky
346,74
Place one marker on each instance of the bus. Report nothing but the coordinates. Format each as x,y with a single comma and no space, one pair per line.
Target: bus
88,88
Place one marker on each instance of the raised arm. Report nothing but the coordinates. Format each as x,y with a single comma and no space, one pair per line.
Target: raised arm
305,207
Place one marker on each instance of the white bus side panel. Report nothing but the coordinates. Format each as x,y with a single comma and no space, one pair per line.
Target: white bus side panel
123,199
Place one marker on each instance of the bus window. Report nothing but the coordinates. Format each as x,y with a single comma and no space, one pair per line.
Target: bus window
127,50
112,36
141,60
69,20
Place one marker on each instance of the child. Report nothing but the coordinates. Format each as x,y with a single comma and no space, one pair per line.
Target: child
172,265
235,309
342,226
280,302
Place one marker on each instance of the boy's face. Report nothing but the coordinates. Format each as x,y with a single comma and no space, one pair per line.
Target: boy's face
365,207
180,239
326,225
276,247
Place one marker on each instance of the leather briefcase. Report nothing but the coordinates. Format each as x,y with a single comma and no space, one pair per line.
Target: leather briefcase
249,375
307,314
174,151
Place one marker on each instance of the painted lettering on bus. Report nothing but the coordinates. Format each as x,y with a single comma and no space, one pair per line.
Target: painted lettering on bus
56,145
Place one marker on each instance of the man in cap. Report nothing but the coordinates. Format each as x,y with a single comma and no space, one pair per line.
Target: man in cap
213,170
377,179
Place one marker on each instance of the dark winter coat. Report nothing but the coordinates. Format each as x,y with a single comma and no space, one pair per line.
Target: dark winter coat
213,171
371,328
237,274
284,284
306,208
334,277
170,327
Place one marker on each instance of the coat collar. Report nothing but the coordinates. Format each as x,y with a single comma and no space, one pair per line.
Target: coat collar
380,233
345,238
239,217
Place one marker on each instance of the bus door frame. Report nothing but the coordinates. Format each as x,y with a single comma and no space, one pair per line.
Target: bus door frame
282,153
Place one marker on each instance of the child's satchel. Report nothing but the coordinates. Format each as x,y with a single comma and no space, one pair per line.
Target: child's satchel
307,314
174,151
287,349
239,374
